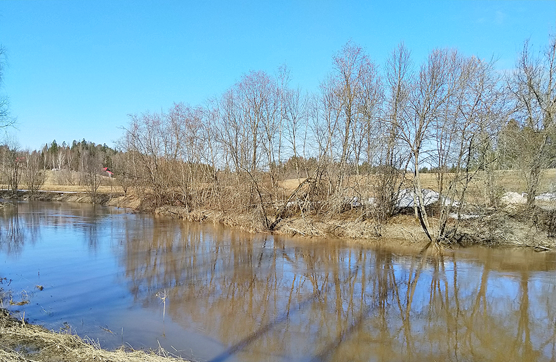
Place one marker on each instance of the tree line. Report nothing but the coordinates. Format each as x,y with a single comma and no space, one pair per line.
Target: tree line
360,142
81,163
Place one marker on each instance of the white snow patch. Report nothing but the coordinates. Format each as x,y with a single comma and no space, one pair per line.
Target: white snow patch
405,199
513,198
546,197
463,216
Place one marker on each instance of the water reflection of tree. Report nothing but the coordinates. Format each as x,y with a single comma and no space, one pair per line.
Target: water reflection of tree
263,295
21,223
16,230
92,227
86,219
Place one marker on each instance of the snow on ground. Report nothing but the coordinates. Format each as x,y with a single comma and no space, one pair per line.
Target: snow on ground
513,198
546,197
517,198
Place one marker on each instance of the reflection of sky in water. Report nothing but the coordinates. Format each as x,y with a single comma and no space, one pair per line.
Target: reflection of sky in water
257,297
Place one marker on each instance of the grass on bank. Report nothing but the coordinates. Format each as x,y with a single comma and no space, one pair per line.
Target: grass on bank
23,342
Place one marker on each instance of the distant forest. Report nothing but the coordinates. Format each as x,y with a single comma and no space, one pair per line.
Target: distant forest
368,134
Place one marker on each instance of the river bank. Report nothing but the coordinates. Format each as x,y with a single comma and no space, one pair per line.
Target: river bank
508,226
25,342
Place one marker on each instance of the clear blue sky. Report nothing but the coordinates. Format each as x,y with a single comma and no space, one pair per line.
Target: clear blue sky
77,68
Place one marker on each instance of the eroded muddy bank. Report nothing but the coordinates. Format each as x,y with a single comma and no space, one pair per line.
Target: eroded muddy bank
507,227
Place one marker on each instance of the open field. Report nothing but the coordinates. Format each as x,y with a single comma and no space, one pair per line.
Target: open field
52,183
508,180
476,193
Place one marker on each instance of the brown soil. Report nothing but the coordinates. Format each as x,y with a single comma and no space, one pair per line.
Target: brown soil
505,227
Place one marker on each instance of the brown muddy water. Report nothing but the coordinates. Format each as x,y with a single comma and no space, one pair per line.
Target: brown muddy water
210,293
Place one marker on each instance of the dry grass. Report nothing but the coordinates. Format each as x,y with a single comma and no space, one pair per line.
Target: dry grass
52,184
115,189
290,184
20,341
75,188
507,180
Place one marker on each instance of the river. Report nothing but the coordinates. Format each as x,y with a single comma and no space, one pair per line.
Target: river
210,293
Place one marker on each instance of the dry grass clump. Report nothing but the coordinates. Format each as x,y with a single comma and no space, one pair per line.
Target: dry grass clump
24,342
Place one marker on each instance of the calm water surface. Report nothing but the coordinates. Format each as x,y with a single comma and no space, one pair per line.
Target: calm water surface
214,294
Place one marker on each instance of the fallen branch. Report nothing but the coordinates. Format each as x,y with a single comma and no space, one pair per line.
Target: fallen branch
280,214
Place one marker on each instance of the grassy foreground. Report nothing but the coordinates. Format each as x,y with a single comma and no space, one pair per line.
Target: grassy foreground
20,341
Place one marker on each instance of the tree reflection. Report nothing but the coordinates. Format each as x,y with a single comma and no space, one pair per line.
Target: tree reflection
21,222
16,230
270,298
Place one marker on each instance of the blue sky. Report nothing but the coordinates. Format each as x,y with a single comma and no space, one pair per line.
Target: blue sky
77,68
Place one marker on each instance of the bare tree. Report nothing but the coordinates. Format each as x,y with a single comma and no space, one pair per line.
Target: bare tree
465,133
295,117
93,178
249,113
394,158
447,104
5,119
431,88
144,139
185,124
33,174
122,165
212,153
250,120
13,161
351,96
533,86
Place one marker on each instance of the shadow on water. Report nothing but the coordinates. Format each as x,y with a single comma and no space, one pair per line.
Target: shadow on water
261,331
261,297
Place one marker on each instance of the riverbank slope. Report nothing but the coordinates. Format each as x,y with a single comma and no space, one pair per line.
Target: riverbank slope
509,225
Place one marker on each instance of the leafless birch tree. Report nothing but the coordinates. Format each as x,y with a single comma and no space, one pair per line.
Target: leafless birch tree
5,119
533,86
33,174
